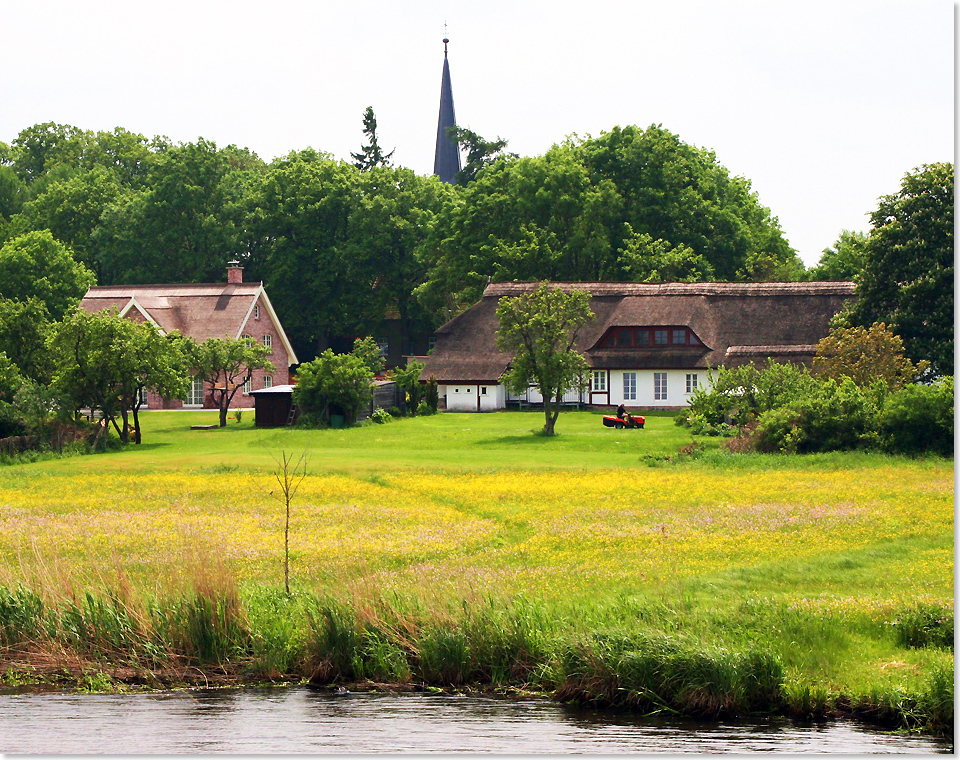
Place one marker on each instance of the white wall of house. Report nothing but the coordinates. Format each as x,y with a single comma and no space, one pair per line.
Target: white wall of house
632,388
473,397
653,388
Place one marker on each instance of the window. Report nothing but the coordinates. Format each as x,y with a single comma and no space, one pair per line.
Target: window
693,340
629,386
680,337
268,381
384,346
623,338
256,311
659,386
247,385
643,337
599,381
660,337
141,398
246,336
431,343
483,390
268,341
194,393
692,383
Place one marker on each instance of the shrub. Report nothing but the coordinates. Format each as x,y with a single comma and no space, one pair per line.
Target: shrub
381,416
919,418
425,409
394,411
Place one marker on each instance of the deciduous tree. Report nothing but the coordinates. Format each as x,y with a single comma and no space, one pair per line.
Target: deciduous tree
907,279
35,265
226,364
540,329
866,355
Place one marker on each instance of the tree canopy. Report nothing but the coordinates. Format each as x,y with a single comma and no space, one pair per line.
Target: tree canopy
539,329
907,277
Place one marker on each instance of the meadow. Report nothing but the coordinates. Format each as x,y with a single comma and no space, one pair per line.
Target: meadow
643,568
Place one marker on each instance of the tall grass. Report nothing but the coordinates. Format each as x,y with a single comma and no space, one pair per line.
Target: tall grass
651,658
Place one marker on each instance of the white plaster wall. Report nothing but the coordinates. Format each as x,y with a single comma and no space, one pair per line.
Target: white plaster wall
676,387
463,397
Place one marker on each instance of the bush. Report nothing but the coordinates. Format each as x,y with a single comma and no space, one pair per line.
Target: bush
425,409
381,416
394,411
919,418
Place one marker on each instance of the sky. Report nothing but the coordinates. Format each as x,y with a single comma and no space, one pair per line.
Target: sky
823,105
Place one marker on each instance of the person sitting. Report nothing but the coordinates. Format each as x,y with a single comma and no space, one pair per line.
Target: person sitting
622,412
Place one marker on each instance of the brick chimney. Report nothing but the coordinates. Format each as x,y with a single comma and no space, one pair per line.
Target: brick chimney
234,273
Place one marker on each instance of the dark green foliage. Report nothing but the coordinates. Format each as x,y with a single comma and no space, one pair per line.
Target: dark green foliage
370,155
925,625
432,394
333,384
845,260
656,673
907,278
919,418
36,266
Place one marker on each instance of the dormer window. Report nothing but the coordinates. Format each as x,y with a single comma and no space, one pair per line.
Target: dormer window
649,337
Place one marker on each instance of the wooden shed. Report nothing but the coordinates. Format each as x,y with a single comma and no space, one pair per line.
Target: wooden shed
273,407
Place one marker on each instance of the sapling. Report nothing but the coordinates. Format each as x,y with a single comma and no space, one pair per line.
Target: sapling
289,475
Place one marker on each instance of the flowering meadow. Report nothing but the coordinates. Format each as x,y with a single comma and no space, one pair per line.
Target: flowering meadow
710,542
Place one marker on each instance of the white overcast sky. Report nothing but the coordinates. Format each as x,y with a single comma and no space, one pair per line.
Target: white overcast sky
823,105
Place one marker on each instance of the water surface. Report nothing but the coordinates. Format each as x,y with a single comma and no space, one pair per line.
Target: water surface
299,720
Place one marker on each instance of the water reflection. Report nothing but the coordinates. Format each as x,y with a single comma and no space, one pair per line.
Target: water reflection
298,720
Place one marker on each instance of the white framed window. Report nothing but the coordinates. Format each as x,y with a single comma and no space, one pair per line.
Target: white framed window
268,341
194,393
247,385
659,386
693,382
384,346
256,311
268,381
483,390
141,398
629,386
599,381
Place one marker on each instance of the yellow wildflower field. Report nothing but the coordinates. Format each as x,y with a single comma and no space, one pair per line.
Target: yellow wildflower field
867,535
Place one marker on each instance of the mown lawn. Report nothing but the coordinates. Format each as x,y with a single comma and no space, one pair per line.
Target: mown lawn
813,558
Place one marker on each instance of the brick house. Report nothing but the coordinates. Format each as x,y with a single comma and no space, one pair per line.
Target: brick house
648,346
233,309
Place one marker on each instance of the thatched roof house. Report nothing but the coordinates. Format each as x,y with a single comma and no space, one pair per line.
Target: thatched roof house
649,337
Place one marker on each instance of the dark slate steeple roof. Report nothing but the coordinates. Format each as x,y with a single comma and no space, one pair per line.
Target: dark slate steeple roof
446,160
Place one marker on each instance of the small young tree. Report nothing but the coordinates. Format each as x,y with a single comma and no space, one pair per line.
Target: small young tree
540,329
289,475
432,392
227,364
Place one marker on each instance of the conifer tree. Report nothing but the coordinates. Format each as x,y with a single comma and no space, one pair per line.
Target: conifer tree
370,155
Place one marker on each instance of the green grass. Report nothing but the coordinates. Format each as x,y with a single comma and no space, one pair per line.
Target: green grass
598,565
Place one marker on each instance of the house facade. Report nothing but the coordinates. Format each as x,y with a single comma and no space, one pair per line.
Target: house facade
648,346
232,309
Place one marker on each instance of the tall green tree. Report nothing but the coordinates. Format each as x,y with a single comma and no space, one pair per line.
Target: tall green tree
226,364
25,327
907,279
845,260
370,156
480,153
35,265
540,330
298,221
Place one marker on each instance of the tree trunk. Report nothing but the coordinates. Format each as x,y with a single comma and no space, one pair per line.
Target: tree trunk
551,417
136,423
224,401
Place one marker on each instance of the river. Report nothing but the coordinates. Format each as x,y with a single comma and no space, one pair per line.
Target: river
299,720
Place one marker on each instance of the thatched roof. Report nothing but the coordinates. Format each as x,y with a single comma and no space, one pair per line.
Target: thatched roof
736,323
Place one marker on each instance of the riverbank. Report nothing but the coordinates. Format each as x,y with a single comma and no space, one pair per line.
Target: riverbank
601,566
648,659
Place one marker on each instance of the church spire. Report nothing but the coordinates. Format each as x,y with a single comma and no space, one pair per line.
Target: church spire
446,159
